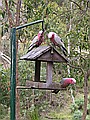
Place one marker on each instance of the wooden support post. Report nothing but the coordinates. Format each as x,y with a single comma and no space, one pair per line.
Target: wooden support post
49,73
37,71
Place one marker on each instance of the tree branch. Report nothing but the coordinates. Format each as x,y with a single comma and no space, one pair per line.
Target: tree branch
87,4
18,12
76,4
11,21
76,67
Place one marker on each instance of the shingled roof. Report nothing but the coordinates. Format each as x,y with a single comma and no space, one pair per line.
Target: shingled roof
44,53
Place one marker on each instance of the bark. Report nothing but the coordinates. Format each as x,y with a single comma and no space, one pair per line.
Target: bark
11,21
17,80
85,94
69,47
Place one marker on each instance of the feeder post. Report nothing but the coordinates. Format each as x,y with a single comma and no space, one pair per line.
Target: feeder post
49,72
37,70
13,75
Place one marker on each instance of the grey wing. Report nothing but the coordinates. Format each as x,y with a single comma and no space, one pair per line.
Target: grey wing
62,81
59,40
61,44
34,41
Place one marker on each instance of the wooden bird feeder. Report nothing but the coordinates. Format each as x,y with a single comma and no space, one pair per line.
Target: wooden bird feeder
49,55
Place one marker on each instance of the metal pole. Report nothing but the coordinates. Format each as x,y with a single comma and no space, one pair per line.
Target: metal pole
43,25
13,75
13,68
28,24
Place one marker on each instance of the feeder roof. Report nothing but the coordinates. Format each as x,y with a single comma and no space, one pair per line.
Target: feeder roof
44,53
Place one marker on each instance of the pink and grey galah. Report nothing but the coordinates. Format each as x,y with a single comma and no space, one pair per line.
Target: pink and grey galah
37,41
65,82
57,41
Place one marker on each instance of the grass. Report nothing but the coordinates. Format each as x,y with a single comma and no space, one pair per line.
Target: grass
61,111
62,116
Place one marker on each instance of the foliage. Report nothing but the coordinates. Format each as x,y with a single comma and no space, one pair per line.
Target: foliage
61,116
88,109
73,107
79,102
4,86
33,114
3,111
78,105
77,108
77,115
88,117
4,91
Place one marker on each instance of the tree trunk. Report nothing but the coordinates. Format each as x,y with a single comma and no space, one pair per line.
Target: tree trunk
85,94
17,81
70,28
11,21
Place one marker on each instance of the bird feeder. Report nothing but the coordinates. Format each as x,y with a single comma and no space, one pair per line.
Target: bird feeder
49,55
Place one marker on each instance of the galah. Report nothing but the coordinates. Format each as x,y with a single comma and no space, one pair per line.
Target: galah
36,42
57,41
65,82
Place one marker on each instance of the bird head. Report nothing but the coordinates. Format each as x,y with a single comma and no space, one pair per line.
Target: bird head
72,81
50,35
40,33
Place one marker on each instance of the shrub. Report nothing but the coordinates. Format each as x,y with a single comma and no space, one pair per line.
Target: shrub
77,115
3,111
88,117
73,107
33,114
4,86
79,103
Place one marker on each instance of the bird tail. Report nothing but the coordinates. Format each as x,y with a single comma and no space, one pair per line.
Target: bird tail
55,91
30,48
64,50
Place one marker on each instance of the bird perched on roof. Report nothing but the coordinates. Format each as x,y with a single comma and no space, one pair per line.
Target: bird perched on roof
57,41
36,42
65,82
